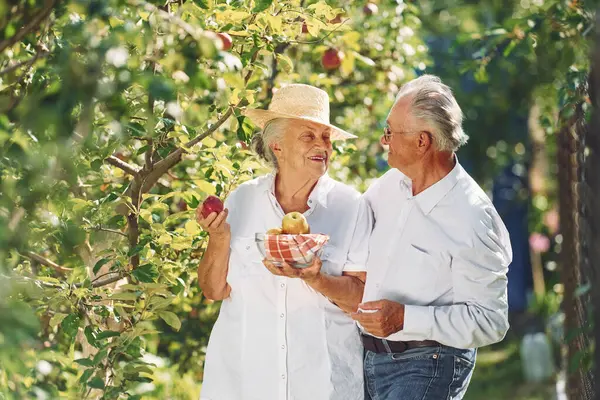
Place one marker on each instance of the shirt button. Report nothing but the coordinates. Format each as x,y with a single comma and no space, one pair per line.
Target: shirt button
281,315
247,247
283,285
310,201
283,376
282,346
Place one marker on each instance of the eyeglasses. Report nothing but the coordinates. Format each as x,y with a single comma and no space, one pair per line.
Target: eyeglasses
387,133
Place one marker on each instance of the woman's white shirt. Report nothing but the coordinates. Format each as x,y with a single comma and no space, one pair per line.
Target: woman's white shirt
276,338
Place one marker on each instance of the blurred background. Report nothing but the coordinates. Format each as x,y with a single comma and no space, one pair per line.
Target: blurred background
118,117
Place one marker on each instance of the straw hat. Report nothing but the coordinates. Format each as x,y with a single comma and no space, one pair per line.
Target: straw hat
299,101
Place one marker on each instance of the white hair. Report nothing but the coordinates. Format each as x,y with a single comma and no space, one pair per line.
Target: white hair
433,102
271,133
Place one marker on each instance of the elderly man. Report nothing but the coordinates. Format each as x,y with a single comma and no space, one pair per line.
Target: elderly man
438,257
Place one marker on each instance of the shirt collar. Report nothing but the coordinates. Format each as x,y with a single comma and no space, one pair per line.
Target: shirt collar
318,194
431,196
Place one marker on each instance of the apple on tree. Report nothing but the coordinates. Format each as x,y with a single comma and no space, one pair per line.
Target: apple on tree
332,59
226,39
370,9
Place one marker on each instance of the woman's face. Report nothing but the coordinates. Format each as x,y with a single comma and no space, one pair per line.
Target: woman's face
305,148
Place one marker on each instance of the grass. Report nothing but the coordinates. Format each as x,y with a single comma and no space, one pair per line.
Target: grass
498,376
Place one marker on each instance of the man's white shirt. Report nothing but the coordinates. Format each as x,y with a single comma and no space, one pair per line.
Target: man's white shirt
443,253
276,338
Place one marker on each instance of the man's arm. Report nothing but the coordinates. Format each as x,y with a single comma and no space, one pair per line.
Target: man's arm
479,315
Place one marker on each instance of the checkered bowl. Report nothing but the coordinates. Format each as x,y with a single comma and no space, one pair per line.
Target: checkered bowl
297,250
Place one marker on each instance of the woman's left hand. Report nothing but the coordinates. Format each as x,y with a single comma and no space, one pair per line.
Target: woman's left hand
307,274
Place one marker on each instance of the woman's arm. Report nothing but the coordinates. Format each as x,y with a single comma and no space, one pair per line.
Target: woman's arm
345,291
213,267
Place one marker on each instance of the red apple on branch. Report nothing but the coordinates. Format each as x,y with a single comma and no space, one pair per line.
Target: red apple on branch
370,9
212,204
226,39
332,59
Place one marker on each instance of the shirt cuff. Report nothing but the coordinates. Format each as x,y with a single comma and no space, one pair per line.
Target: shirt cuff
418,321
349,267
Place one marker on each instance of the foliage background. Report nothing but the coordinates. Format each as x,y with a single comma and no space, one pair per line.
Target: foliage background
118,117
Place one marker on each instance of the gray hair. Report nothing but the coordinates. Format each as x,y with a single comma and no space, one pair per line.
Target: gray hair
271,133
434,103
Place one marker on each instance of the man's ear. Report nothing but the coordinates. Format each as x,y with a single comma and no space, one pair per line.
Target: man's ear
276,148
425,141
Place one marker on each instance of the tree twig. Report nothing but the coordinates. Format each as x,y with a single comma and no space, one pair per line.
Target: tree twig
47,262
99,228
33,24
117,162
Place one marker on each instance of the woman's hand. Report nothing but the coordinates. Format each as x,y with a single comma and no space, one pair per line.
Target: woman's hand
308,274
215,224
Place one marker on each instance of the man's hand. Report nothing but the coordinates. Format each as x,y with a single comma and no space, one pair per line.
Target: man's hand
308,274
382,317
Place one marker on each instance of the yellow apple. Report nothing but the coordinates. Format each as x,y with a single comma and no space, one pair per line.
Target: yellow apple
294,223
274,231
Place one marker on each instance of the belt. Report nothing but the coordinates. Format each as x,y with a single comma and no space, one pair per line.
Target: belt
377,345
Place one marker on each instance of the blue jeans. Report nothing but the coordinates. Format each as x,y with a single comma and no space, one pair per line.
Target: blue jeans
426,373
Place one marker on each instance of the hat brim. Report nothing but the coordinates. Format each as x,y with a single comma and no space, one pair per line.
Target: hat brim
261,117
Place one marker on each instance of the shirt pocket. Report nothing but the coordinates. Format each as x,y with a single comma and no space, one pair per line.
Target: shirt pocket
424,272
245,259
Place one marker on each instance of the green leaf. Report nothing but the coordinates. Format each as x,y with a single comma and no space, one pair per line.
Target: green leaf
99,264
171,319
86,362
96,164
86,375
100,356
285,62
202,4
96,383
70,324
146,273
107,334
57,319
261,5
124,296
90,336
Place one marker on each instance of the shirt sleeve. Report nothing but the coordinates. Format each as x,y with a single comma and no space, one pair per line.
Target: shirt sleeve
359,245
479,315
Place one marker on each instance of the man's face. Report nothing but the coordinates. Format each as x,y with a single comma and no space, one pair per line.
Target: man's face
405,138
305,148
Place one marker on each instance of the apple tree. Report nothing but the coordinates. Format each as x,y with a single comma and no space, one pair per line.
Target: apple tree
117,118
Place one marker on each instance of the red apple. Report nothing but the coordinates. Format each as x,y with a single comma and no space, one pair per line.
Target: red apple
226,39
332,59
370,9
210,205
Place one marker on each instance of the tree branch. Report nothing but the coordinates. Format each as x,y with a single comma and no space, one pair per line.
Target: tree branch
33,24
174,157
149,152
117,162
46,262
28,63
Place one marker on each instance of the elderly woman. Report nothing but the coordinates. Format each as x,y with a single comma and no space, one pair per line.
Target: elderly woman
285,333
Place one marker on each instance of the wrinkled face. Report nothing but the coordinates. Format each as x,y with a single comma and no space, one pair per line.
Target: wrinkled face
305,148
407,139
